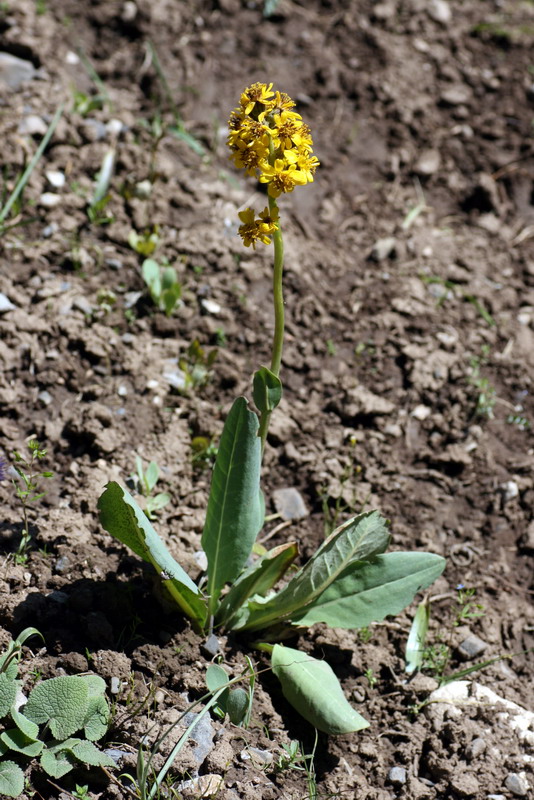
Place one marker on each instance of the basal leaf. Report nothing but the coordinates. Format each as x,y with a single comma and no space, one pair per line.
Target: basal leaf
11,779
313,689
122,518
216,677
361,537
91,755
15,740
96,720
237,705
57,764
62,702
28,728
368,591
234,517
257,579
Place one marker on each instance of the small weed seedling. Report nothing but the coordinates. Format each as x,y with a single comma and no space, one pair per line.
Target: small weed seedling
350,581
486,397
146,481
43,724
101,197
435,658
30,489
144,243
163,285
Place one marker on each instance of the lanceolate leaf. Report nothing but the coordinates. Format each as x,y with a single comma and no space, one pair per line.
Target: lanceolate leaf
361,537
258,579
234,516
122,518
367,591
313,689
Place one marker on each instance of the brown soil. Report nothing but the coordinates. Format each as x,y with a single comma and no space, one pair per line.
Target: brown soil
407,373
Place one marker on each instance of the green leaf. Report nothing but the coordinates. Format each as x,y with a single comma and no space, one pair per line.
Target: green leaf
257,579
11,779
169,278
91,755
56,764
151,475
267,390
313,689
234,516
150,273
15,740
28,728
361,537
368,591
170,297
62,702
216,677
96,720
122,518
8,692
415,645
237,705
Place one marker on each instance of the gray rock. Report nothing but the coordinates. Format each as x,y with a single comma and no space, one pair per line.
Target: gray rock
116,755
397,776
289,504
83,305
472,646
114,686
202,734
383,248
456,95
495,797
516,782
44,397
50,230
15,71
5,304
439,11
464,784
259,758
475,748
62,564
427,164
32,125
211,646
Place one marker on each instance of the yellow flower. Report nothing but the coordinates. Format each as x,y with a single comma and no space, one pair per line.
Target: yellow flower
281,177
269,220
256,230
306,163
257,93
287,129
250,158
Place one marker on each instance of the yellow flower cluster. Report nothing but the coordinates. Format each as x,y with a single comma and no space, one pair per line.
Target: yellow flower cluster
269,141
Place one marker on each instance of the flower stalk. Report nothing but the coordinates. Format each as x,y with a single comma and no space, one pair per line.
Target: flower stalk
271,143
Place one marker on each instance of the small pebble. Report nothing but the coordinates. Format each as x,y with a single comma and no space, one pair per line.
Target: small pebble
15,71
115,754
472,646
62,564
211,646
383,248
289,504
509,489
83,305
516,782
421,412
210,306
428,163
5,304
475,748
259,757
50,199
397,776
55,178
495,797
122,391
32,125
114,685
44,397
50,230
439,11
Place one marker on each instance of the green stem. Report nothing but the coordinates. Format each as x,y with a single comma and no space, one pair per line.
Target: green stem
278,300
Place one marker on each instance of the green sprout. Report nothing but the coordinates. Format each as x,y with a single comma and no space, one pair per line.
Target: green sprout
146,482
163,285
29,490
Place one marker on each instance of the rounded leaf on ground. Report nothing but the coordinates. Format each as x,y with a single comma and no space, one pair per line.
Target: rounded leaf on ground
62,702
11,779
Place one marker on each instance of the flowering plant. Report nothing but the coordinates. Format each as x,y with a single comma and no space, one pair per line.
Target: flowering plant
348,582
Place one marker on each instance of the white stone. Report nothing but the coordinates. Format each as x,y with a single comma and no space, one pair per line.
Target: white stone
49,199
439,11
421,412
56,178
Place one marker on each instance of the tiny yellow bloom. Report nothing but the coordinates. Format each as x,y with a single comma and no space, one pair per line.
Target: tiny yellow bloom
257,93
281,177
306,163
256,230
249,157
